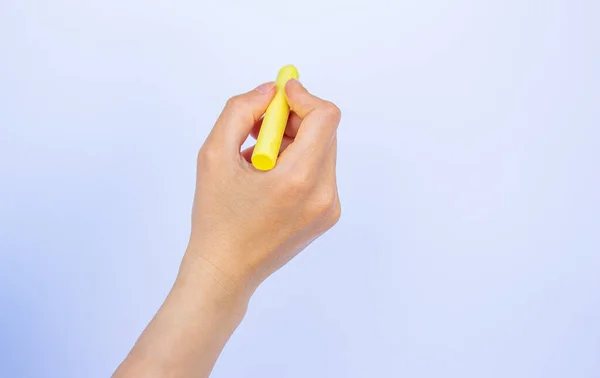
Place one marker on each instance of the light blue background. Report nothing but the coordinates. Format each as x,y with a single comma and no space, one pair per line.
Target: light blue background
468,171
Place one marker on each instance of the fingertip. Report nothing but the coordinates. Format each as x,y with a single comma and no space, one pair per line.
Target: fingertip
293,86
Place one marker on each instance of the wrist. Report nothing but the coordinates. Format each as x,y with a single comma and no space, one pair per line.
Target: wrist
204,277
197,318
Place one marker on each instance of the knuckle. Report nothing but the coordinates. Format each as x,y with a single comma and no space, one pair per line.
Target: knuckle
297,184
237,102
332,218
335,215
324,203
207,157
300,182
332,112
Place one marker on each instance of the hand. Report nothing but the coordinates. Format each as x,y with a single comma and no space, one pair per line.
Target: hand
246,223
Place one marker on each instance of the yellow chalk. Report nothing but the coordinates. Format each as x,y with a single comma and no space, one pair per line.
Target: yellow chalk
271,132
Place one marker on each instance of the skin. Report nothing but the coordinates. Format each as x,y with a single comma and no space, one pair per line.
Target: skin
246,224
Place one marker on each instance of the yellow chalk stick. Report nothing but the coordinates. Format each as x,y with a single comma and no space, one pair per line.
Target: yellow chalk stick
271,132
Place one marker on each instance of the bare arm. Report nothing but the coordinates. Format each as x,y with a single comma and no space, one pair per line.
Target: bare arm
246,224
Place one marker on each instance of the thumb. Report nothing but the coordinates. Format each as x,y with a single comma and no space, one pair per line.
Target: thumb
301,101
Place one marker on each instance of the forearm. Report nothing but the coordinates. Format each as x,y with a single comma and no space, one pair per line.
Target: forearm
189,331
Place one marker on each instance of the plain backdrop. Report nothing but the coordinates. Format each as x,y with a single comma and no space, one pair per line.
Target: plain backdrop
469,155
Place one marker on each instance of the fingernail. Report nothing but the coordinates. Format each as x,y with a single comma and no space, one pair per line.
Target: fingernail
266,87
297,81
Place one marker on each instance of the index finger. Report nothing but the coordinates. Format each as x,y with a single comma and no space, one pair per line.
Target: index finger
320,120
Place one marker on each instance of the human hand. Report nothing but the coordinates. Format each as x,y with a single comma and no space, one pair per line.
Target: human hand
247,223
